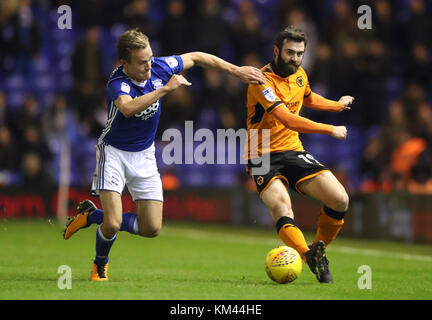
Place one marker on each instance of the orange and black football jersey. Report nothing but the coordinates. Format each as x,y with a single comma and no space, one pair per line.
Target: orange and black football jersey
262,99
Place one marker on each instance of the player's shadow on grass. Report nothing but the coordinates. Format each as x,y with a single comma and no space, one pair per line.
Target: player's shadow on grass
264,283
244,281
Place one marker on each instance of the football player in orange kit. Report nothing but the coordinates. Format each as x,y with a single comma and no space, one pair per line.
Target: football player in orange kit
275,105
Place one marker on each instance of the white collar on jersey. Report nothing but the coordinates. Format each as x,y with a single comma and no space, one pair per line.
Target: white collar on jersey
140,84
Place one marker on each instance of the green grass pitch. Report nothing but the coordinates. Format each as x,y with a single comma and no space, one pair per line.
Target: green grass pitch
190,261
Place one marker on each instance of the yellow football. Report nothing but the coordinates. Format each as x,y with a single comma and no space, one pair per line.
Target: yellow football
283,264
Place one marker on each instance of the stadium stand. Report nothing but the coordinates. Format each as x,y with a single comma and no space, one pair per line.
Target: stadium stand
379,67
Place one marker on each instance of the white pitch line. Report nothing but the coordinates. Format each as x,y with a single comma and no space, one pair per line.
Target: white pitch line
205,235
380,253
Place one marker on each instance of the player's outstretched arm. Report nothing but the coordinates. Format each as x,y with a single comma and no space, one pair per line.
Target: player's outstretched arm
246,73
129,106
317,102
304,125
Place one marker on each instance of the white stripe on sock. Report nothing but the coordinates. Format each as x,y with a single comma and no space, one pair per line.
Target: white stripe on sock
105,238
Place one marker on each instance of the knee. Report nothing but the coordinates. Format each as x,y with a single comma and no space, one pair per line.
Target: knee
110,227
150,231
280,209
340,202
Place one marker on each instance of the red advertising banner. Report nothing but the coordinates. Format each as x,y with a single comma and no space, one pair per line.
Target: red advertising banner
376,216
195,205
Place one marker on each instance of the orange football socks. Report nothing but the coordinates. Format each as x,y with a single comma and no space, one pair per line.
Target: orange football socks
291,235
329,226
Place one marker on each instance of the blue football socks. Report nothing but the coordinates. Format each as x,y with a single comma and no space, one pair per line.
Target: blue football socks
95,217
129,220
103,247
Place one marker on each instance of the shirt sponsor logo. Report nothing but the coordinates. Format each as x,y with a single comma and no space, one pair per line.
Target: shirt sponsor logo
157,84
148,112
292,104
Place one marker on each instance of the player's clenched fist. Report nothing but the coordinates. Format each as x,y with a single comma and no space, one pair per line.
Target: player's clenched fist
346,102
176,81
340,132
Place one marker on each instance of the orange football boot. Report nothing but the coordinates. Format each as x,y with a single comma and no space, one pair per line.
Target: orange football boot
80,220
99,273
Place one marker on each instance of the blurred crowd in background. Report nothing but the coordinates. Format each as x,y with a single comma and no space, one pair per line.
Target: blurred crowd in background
52,84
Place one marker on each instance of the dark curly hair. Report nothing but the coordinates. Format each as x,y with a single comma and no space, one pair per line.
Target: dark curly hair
290,33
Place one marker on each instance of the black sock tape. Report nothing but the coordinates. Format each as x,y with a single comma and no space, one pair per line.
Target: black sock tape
334,214
283,221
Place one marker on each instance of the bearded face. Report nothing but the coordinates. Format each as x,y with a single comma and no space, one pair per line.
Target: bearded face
289,58
287,68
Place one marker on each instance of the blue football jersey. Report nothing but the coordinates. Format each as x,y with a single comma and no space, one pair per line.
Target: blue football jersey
137,132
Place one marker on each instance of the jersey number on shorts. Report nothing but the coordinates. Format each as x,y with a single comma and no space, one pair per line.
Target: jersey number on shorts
308,158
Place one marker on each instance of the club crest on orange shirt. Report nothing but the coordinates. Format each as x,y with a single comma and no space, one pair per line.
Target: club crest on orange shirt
300,81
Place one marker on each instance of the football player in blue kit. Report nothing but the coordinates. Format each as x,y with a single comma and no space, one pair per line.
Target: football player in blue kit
125,152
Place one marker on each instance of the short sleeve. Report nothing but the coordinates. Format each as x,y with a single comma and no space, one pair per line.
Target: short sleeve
118,88
265,95
172,64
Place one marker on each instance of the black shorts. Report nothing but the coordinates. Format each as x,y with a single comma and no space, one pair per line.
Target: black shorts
291,167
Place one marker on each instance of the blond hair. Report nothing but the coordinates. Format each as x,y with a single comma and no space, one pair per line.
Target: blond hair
129,41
